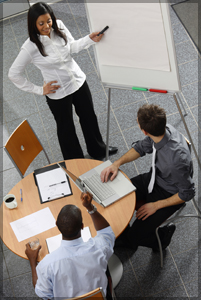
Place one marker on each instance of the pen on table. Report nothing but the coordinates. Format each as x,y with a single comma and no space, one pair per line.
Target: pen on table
21,194
56,183
56,196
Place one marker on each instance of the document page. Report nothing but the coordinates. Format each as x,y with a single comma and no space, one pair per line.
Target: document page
136,36
33,224
53,184
54,242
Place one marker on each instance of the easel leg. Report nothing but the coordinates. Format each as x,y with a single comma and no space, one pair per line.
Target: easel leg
190,138
179,98
108,124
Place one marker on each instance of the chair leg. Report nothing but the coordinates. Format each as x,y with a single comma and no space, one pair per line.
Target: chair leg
157,235
160,247
113,294
110,284
196,206
175,217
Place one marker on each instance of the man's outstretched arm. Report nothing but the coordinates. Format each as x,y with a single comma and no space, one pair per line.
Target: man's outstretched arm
99,221
129,156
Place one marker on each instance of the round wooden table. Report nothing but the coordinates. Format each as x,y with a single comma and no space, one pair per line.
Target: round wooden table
118,214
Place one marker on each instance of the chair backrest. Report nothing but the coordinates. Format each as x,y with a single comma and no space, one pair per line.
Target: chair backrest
93,295
23,146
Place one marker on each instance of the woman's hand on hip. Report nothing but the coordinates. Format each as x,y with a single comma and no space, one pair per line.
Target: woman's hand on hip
50,88
94,37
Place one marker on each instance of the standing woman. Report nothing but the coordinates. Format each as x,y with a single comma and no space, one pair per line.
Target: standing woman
49,48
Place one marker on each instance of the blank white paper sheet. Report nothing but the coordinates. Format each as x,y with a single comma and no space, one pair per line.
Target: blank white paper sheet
33,224
139,43
54,242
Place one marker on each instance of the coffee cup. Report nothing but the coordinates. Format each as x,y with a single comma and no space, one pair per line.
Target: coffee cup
10,201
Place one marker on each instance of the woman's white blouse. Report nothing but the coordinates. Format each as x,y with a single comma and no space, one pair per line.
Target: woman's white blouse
57,66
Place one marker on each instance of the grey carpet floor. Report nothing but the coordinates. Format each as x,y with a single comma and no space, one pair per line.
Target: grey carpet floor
188,12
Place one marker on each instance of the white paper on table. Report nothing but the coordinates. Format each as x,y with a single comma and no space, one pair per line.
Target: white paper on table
139,43
50,186
33,224
54,242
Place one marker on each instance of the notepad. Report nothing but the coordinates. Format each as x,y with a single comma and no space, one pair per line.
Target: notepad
54,242
52,183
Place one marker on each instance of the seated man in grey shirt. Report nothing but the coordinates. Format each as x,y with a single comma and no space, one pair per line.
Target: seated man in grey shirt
172,181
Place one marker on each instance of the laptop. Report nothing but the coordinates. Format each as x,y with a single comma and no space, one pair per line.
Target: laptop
103,193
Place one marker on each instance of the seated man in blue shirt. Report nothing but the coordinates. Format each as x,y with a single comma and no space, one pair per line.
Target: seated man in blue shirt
76,267
171,185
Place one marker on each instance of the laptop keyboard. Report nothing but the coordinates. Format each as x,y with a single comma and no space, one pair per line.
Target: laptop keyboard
102,190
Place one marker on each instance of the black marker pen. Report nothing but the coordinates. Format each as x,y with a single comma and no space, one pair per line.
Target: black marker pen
102,31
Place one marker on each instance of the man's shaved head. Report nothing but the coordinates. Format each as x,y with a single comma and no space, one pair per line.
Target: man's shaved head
69,221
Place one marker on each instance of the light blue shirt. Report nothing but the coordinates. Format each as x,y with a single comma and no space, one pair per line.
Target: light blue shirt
76,267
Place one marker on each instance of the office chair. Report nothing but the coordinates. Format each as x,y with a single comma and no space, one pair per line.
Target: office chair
95,294
177,215
113,278
23,146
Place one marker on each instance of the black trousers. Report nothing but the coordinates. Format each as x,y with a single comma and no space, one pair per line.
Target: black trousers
142,233
63,114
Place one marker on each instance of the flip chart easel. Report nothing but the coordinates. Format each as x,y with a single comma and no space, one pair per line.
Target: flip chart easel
137,50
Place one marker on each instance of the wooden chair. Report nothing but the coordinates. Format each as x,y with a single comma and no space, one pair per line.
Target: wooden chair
23,146
98,293
95,294
176,216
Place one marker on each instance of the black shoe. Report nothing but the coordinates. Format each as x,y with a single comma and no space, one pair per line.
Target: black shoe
112,151
171,229
167,239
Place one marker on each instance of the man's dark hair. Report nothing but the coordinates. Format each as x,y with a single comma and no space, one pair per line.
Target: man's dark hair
69,221
36,11
152,119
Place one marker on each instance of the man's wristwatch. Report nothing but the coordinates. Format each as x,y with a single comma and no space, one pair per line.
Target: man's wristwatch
93,210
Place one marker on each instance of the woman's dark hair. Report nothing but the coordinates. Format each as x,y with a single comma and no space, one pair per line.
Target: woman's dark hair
36,11
152,119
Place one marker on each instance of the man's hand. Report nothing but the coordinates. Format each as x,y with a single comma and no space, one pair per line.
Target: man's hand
50,88
86,200
146,210
109,173
93,36
32,254
99,221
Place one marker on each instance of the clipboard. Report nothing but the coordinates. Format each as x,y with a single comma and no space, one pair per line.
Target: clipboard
52,183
